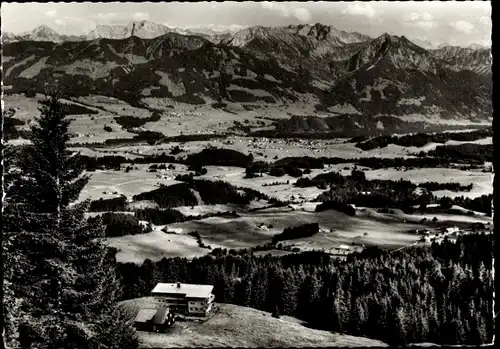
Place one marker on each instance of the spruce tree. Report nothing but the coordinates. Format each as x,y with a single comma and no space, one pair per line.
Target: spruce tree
70,285
14,262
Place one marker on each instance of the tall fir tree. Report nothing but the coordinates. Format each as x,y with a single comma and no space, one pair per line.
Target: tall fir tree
69,281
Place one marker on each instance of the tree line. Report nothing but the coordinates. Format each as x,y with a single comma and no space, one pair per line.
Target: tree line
256,168
120,224
422,139
463,153
169,216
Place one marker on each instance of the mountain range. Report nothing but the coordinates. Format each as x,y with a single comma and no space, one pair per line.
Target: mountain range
341,73
147,30
143,29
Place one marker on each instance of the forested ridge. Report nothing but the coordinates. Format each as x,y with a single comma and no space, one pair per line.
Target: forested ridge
440,293
422,139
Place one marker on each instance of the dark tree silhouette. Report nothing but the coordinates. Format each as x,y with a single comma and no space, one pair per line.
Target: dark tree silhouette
68,279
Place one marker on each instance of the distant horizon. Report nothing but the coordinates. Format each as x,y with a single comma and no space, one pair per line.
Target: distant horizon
452,23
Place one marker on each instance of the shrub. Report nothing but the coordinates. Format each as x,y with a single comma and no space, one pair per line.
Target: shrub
277,172
220,157
304,230
120,224
170,196
114,204
219,192
159,216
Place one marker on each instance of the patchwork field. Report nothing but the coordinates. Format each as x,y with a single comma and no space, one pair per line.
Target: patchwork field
368,227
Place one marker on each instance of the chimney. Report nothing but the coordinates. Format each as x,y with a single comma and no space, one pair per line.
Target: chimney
178,285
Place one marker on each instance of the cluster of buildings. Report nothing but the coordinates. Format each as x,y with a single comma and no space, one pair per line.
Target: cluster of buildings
173,299
428,236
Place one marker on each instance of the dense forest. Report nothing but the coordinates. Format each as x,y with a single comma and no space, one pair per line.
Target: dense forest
296,232
170,196
169,216
106,205
422,139
120,224
465,153
440,293
219,157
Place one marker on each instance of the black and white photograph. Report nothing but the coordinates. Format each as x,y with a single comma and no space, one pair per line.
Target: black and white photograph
247,174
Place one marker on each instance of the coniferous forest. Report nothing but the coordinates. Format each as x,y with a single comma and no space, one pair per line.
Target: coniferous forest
441,293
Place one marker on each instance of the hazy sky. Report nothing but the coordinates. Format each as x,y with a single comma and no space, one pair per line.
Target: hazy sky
456,23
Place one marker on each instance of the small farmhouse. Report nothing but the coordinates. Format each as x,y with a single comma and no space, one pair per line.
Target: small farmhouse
151,319
450,230
186,299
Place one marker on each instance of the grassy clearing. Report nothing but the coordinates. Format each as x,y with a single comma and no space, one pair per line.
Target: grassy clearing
155,246
90,129
236,326
127,183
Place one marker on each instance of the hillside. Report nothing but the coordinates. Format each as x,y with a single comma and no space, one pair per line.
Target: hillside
392,76
186,69
475,59
236,326
310,48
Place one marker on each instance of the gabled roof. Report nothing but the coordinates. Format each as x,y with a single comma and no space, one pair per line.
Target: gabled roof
156,316
145,315
190,290
160,316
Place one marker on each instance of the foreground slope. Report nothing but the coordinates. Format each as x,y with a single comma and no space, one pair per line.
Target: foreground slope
236,326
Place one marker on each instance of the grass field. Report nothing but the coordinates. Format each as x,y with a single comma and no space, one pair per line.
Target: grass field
127,183
155,246
236,326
